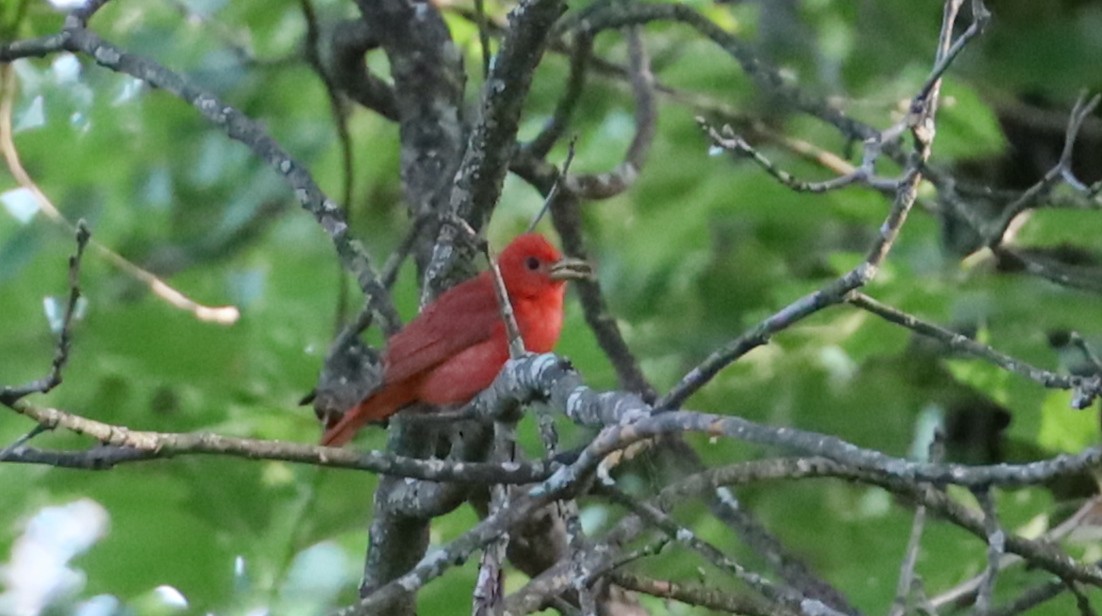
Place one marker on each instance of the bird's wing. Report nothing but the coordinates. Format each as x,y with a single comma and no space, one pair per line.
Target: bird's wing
460,318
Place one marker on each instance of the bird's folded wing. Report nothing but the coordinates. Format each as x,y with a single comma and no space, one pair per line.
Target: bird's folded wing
460,318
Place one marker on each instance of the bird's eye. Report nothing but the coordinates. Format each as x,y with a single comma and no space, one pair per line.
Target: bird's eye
532,263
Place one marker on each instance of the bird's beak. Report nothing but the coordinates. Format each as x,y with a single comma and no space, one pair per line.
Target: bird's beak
571,269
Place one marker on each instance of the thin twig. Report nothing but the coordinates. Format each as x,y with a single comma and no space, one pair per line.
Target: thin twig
907,579
1038,552
584,582
79,17
237,126
1031,598
726,139
1061,171
344,137
620,179
948,50
9,452
996,547
9,396
542,143
1088,353
965,593
1065,275
556,186
720,600
489,588
1084,389
223,315
921,124
787,597
1082,602
567,219
483,36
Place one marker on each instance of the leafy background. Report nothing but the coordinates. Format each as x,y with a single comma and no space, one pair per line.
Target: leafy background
699,250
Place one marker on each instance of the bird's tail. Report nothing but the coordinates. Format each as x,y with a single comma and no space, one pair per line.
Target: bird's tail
378,406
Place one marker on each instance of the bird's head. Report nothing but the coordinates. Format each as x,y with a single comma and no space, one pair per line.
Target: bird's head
530,266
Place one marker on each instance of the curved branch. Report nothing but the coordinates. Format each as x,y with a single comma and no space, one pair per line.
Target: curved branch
349,42
614,15
615,182
237,126
541,144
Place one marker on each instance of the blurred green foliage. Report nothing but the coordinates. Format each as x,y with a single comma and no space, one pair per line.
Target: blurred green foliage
698,251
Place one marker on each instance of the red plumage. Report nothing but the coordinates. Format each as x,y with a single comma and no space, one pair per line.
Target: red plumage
458,344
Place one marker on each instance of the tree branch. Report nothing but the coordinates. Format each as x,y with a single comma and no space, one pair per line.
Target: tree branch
10,396
237,126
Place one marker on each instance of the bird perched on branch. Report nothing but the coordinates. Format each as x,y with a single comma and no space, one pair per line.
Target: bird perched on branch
458,344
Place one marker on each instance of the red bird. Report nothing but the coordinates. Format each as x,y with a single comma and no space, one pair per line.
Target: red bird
457,346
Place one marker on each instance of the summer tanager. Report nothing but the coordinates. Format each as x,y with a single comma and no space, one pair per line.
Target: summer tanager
458,344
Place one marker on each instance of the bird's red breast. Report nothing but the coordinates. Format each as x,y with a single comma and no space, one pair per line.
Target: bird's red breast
458,344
